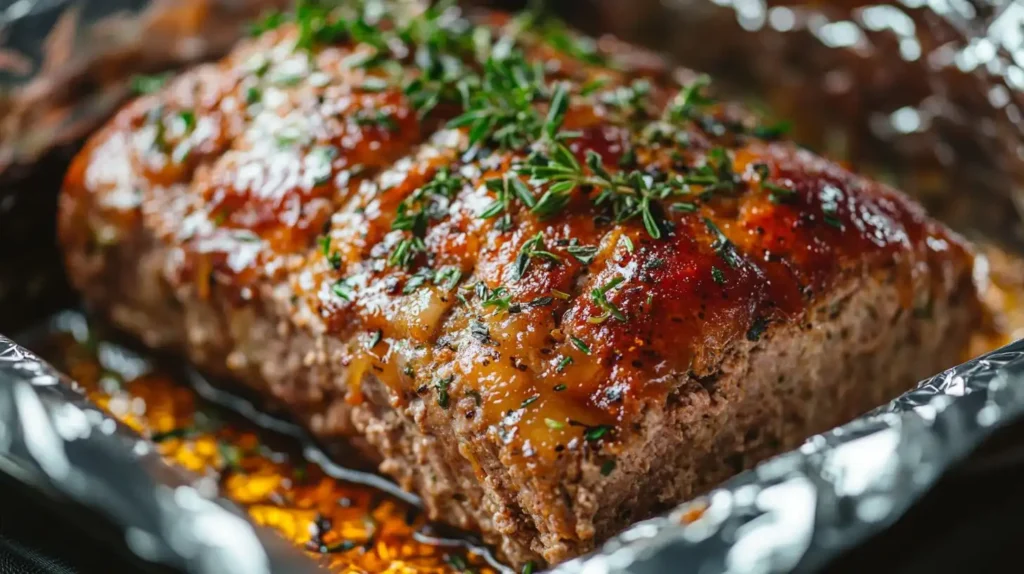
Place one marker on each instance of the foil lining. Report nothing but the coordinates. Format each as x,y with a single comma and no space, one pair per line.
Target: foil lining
793,513
54,440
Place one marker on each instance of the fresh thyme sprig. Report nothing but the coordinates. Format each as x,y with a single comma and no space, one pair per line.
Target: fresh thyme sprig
627,194
689,101
505,189
600,296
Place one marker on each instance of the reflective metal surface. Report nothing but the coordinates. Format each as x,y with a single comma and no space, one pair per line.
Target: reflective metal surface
52,439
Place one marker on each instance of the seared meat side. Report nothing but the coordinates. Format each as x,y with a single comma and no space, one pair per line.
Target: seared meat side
548,283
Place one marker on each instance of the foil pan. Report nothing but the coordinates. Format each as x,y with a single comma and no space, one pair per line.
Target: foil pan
933,84
53,439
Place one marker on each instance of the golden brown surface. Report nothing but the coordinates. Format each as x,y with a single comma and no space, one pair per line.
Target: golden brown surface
247,190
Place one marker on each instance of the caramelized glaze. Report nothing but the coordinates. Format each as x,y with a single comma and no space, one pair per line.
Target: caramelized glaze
547,368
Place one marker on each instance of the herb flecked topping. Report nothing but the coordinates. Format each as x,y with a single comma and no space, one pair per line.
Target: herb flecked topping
516,113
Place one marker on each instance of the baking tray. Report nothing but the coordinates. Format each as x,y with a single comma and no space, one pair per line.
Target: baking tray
841,502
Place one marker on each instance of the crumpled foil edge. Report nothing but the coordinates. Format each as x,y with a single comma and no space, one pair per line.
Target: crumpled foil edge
794,512
54,439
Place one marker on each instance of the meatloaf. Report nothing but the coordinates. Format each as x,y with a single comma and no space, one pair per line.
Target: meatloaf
550,283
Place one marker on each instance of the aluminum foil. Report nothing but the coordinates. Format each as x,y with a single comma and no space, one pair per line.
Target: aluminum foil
795,512
52,439
934,83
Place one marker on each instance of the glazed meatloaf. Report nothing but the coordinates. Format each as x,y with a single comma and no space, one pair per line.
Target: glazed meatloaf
549,283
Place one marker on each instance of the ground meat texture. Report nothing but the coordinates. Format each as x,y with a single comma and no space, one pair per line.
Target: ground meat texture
545,372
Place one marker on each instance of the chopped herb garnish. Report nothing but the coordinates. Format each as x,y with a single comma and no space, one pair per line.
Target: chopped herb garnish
562,364
561,386
373,85
778,193
447,277
628,243
582,253
415,212
338,547
579,344
722,246
716,174
480,332
502,109
442,391
333,257
498,298
230,456
142,84
559,294
627,195
269,22
528,568
375,338
542,301
456,562
529,401
534,247
596,433
600,297
757,329
253,95
689,100
553,424
593,86
505,189
772,131
717,275
561,38
416,281
631,102
607,467
188,119
317,27
343,289
376,118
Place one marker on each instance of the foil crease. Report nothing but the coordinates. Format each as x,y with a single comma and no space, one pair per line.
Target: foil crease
54,440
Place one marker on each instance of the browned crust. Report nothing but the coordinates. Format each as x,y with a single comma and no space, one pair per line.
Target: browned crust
854,351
